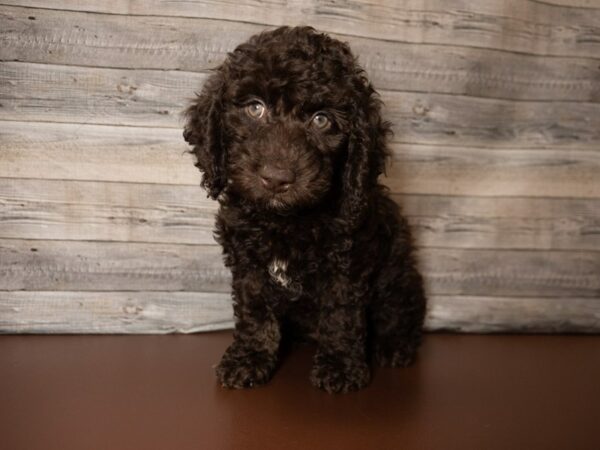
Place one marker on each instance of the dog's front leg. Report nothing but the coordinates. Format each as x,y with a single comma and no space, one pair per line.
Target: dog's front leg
251,359
340,363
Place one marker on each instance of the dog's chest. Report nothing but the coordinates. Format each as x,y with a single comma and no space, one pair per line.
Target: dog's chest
289,254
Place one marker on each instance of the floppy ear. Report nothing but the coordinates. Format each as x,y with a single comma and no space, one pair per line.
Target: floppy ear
204,130
366,156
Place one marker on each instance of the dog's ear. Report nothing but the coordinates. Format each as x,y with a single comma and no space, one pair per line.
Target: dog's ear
366,157
204,130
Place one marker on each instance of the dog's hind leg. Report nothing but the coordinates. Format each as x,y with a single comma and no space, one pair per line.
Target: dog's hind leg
397,313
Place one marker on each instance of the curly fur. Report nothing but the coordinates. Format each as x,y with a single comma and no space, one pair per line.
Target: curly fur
316,248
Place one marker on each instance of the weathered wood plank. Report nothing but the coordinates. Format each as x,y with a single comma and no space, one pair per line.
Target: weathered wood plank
150,98
185,312
81,266
40,92
391,66
511,272
503,222
425,169
114,312
110,266
526,27
592,4
513,315
478,73
440,119
73,210
91,152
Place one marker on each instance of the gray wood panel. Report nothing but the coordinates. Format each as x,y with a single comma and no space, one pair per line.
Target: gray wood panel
430,169
90,152
441,119
504,222
40,92
33,92
93,152
523,273
564,30
585,4
513,314
110,266
77,265
496,112
184,312
74,210
114,312
391,66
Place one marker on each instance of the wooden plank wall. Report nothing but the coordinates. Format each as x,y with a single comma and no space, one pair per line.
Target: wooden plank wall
496,106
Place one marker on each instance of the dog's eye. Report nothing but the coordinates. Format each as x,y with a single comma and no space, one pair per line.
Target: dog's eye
255,110
320,121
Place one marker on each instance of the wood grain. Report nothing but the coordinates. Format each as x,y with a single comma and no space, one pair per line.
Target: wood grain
496,112
503,222
591,4
39,92
509,25
391,66
117,153
155,213
110,266
524,273
93,266
98,211
440,119
513,314
93,152
33,92
186,312
114,312
428,169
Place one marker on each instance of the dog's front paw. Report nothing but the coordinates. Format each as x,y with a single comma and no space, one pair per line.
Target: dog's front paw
336,374
243,368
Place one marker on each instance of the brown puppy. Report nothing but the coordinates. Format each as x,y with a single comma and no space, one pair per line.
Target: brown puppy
289,137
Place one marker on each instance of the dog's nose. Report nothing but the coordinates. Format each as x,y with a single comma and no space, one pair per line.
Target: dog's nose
276,180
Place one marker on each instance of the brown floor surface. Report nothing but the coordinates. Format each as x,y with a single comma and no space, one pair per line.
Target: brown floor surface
159,392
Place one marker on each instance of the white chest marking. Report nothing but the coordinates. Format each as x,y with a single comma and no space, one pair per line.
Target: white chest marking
278,272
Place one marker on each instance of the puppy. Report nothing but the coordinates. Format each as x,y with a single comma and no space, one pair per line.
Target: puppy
289,138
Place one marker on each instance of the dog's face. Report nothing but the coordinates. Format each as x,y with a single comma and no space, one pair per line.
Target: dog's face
285,134
274,124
